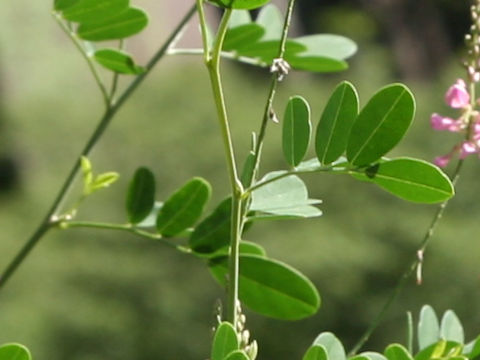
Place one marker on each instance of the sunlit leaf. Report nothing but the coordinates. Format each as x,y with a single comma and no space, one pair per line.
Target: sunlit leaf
237,355
90,11
397,352
14,351
332,345
335,124
381,124
411,179
184,207
104,180
373,355
140,195
296,130
271,288
327,45
315,63
117,61
60,5
272,20
224,342
239,17
451,328
267,50
316,352
239,4
125,24
428,327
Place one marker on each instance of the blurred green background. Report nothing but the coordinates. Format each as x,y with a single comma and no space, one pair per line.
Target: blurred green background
88,295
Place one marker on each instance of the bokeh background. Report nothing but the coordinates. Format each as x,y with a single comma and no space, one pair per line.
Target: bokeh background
90,295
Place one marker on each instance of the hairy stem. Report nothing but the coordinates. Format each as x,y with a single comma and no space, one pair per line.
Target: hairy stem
50,218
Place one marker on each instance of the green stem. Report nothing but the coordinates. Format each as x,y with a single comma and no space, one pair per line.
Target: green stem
120,227
224,54
50,219
116,75
269,112
409,271
87,57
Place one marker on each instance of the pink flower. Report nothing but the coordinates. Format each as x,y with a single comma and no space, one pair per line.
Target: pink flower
457,95
442,161
467,148
439,122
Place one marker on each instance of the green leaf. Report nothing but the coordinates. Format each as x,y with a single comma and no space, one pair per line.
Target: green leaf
140,195
60,5
373,355
335,124
184,207
316,352
411,179
428,327
473,348
246,248
451,328
90,11
270,287
318,64
440,349
239,17
87,174
287,196
271,19
381,124
104,180
296,130
117,61
326,45
248,169
213,232
242,36
239,4
224,342
125,24
266,51
332,345
14,351
397,352
237,355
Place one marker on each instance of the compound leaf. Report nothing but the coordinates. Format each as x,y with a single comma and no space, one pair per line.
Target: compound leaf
296,130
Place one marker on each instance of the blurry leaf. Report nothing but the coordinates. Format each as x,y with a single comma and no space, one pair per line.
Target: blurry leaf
141,195
271,288
87,174
117,61
239,17
151,220
125,24
266,51
60,5
224,342
246,248
428,327
309,165
438,350
472,350
296,130
287,196
373,355
237,355
381,124
300,212
397,352
242,36
315,63
239,4
248,169
89,11
335,124
411,179
359,357
104,180
183,208
213,233
316,352
271,19
326,45
332,345
14,351
451,328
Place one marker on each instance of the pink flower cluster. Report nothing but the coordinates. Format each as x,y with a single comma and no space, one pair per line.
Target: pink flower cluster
458,97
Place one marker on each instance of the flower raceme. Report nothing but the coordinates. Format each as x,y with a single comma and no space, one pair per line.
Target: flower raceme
458,97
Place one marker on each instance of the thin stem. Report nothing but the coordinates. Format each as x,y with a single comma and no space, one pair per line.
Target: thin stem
203,30
119,227
234,261
224,54
116,75
409,271
87,57
269,112
50,219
